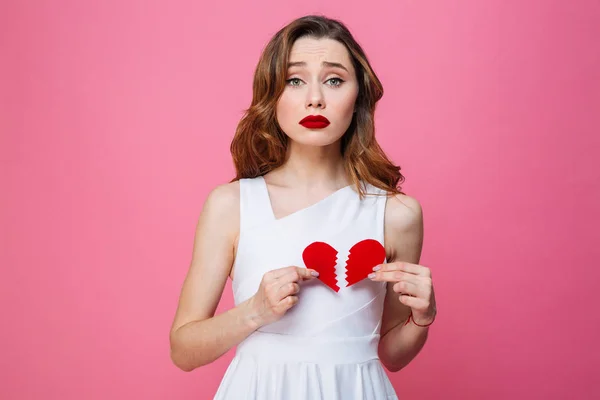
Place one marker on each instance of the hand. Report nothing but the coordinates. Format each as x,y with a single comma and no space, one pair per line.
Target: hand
413,283
277,293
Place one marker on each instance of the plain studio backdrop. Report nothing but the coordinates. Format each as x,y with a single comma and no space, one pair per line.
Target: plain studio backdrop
115,123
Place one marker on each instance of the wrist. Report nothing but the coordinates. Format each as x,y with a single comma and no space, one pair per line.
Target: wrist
420,321
250,315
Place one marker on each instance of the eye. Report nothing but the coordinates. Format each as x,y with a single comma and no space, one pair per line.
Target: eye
336,79
289,81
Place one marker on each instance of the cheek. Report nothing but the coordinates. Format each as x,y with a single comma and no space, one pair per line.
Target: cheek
344,103
284,110
350,101
348,108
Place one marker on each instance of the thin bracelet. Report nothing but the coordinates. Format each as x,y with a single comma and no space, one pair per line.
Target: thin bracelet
413,320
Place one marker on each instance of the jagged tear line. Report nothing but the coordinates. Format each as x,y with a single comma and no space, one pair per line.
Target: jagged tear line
337,281
345,274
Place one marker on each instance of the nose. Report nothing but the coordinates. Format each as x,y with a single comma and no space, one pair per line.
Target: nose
314,97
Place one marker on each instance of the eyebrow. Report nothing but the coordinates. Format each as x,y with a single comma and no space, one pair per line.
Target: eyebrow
324,63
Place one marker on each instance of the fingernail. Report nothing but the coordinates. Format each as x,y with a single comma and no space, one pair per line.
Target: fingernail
314,273
371,276
377,268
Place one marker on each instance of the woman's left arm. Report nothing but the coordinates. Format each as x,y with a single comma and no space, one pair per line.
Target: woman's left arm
409,287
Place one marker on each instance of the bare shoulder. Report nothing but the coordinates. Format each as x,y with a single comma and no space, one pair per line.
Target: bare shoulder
221,213
224,197
403,228
403,211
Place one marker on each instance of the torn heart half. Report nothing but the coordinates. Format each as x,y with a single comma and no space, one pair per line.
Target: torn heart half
363,256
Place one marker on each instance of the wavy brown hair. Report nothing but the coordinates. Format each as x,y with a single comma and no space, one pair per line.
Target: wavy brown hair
260,145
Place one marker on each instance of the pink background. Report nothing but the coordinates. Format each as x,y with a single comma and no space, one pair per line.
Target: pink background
115,122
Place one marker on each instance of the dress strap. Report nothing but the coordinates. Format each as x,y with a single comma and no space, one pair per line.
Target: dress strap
255,205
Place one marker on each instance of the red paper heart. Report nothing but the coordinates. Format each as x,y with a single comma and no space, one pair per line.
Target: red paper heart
363,256
322,258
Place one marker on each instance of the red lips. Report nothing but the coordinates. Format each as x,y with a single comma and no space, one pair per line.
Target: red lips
314,122
364,255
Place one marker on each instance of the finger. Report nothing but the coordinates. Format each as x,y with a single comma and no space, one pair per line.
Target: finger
287,302
394,276
296,275
393,266
306,273
413,302
416,269
290,288
413,269
303,273
404,287
278,273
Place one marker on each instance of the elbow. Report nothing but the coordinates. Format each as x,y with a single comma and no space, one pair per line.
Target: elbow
179,363
182,359
389,366
177,354
187,357
386,362
392,368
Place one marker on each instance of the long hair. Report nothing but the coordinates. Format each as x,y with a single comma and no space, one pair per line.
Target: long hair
260,145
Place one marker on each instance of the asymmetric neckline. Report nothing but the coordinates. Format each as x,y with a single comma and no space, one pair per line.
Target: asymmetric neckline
301,210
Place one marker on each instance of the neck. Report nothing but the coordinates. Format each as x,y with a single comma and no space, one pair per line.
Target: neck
313,167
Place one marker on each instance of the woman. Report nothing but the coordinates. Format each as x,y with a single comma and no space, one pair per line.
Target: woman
321,246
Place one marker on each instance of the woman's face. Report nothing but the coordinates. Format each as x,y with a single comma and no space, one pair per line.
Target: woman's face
320,81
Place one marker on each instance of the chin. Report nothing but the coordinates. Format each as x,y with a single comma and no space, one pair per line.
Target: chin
315,137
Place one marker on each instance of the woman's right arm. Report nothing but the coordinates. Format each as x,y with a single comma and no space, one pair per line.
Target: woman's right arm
197,337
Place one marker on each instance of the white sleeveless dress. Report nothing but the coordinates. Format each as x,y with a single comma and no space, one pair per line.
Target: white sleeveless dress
324,347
